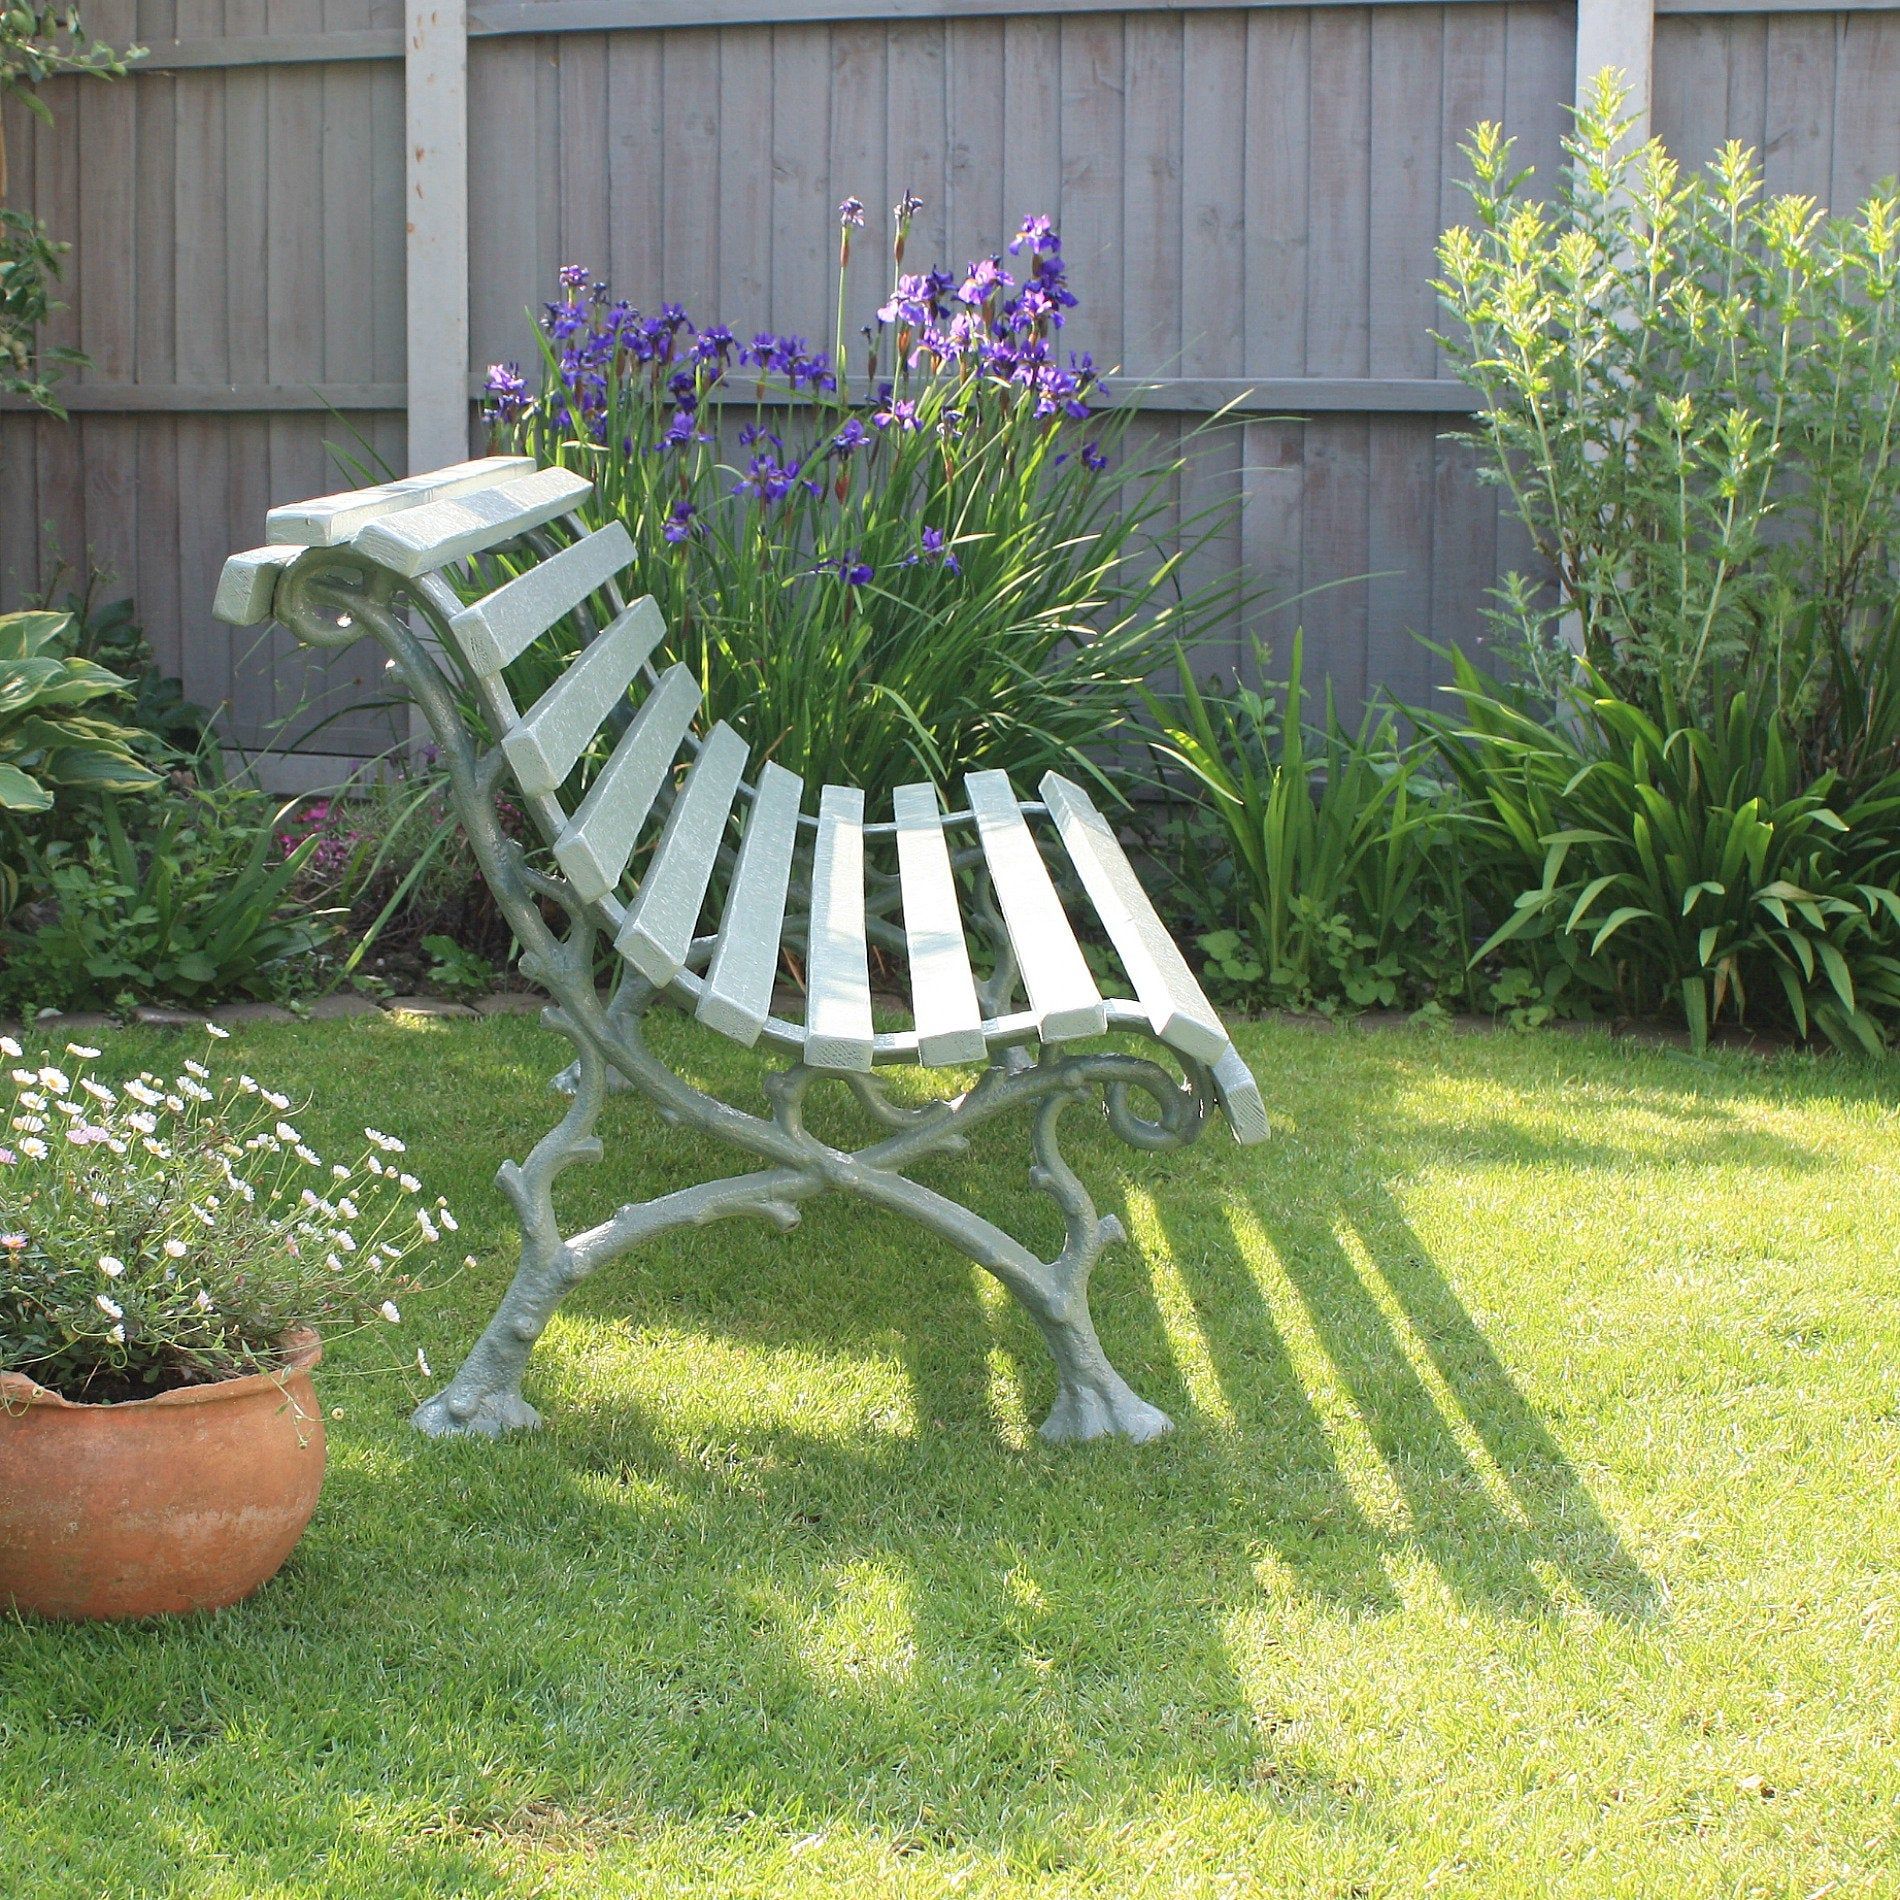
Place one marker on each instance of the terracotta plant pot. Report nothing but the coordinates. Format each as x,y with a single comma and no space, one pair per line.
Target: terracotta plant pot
186,1501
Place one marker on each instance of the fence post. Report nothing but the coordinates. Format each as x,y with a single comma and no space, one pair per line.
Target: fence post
1619,33
435,245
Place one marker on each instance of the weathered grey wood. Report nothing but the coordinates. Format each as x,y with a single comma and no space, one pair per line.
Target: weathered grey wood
943,998
435,147
330,519
594,848
548,743
247,585
1062,994
737,997
659,929
1619,34
421,540
493,631
1177,1009
837,966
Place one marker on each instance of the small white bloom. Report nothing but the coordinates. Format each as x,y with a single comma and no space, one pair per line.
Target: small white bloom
146,1097
409,1184
333,1263
29,1124
218,1030
118,1333
176,1248
158,1148
72,1110
8,1047
142,1124
111,1265
375,1166
309,1159
308,1198
389,1312
198,1069
33,1148
115,1144
427,1226
347,1208
33,1099
202,1301
24,1078
346,1240
448,1220
422,1365
108,1306
278,1102
339,1171
196,1090
247,1084
176,1103
97,1090
468,1260
51,1078
98,1199
287,1133
82,1052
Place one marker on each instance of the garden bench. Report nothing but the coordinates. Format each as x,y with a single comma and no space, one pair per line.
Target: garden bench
457,574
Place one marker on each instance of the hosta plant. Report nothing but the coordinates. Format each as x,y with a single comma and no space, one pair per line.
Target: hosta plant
171,1230
954,565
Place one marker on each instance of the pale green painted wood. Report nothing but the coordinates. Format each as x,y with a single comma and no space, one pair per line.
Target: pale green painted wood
943,997
1240,1098
593,849
421,540
1178,1011
545,747
837,969
659,929
1062,994
498,629
248,584
329,520
737,997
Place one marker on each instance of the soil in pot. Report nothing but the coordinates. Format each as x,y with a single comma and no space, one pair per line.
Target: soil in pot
185,1501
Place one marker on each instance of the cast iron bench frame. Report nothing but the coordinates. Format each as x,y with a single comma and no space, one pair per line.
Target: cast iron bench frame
377,562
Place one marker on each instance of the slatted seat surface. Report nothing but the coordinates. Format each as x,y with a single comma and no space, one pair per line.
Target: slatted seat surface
666,802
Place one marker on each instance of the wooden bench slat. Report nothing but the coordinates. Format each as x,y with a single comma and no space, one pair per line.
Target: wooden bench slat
420,540
597,841
541,751
944,1003
501,627
737,996
248,585
1240,1098
330,519
1178,1010
659,929
838,970
1061,991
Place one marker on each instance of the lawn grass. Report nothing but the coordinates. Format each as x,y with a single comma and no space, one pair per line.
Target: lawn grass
1531,1527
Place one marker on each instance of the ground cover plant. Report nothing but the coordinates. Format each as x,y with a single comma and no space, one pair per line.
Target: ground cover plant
1529,1528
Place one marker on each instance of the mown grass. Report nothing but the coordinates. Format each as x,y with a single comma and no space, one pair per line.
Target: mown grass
1531,1527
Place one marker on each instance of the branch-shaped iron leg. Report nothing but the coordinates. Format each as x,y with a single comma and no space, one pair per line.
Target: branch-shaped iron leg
1093,1400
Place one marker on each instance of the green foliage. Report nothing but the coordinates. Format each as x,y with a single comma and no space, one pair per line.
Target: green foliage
456,970
38,43
171,1231
1690,394
58,740
1336,860
962,573
1668,865
190,907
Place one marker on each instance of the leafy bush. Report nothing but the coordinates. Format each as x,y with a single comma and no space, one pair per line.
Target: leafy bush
1692,398
958,573
170,1231
1335,875
1692,867
186,904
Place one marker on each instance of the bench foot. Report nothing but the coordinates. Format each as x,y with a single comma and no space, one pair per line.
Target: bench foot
493,1415
1082,1412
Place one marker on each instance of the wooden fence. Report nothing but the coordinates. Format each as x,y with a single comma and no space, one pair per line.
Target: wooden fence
291,241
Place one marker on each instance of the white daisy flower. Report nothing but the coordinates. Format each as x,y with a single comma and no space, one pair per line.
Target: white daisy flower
82,1052
111,1265
8,1047
218,1030
389,1311
108,1306
176,1249
198,1069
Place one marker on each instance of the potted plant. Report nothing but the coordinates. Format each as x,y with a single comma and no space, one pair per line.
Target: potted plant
169,1249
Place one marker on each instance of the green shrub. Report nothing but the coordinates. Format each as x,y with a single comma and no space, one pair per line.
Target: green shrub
1335,874
1691,396
1666,865
187,903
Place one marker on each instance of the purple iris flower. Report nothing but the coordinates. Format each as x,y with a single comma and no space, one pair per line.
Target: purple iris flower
680,434
907,207
680,525
1093,459
902,415
913,301
850,438
1039,234
851,211
573,276
854,572
509,388
987,276
937,549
